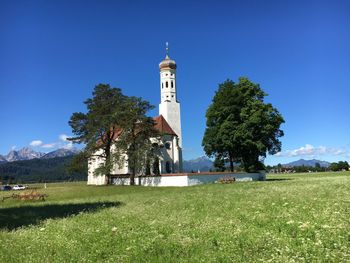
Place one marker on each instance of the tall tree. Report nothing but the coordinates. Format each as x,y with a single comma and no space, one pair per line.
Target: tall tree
114,124
219,163
138,138
241,126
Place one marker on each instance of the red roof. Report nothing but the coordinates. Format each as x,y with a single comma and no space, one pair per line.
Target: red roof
163,126
160,124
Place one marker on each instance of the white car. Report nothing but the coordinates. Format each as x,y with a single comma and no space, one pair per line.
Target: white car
18,187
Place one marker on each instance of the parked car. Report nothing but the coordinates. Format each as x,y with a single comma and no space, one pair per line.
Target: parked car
5,188
19,187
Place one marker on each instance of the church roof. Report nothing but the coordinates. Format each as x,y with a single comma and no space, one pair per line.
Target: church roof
167,63
160,124
163,126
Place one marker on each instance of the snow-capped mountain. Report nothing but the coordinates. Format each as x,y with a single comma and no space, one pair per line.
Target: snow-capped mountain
28,154
22,154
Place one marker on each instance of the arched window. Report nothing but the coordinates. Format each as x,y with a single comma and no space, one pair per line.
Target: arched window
167,167
162,85
166,84
172,84
167,145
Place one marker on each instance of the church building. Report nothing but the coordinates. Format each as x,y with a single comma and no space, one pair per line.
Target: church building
168,123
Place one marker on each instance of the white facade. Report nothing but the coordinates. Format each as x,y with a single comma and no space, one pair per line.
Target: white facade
171,153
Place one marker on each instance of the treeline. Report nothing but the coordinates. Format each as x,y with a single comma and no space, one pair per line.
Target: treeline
39,170
339,166
335,167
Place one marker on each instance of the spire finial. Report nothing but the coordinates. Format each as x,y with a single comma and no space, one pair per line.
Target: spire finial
167,49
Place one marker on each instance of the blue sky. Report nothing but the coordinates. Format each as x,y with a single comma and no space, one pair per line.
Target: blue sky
52,53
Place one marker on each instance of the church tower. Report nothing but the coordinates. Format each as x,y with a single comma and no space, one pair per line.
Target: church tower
169,107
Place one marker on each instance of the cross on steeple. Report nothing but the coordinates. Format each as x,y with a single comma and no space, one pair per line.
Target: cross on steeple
167,50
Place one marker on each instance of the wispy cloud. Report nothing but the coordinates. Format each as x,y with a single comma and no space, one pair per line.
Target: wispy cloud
63,137
310,151
61,143
67,144
13,147
49,145
36,143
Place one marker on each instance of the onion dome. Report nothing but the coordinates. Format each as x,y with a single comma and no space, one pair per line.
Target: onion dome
167,63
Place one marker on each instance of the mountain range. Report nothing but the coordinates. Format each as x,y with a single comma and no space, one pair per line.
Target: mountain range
303,162
202,164
29,154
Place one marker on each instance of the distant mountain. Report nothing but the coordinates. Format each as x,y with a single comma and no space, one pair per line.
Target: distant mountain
60,153
202,164
29,154
2,159
22,154
303,162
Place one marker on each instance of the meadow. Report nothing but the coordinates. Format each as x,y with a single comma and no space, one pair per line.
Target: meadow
288,218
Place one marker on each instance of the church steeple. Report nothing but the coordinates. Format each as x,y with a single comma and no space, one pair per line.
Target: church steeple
169,106
168,78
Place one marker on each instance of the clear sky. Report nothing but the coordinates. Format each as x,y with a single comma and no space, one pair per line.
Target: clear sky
53,53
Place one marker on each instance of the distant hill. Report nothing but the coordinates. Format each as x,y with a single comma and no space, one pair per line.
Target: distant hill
303,162
39,170
202,164
60,153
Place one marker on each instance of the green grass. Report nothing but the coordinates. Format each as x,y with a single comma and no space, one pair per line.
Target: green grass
289,218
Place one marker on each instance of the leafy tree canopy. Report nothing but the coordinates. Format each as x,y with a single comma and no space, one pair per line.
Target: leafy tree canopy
240,126
114,124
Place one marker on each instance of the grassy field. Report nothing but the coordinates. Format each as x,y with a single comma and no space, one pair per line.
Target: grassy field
289,218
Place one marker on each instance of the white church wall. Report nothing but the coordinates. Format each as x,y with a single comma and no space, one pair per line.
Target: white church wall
154,181
93,164
171,113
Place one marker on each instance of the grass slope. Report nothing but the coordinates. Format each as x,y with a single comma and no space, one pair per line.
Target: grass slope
290,218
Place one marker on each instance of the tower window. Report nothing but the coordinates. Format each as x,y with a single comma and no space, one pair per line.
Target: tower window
162,85
172,96
166,84
172,84
167,145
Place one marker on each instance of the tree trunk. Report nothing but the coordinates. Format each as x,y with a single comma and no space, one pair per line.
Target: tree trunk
132,176
108,153
231,162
